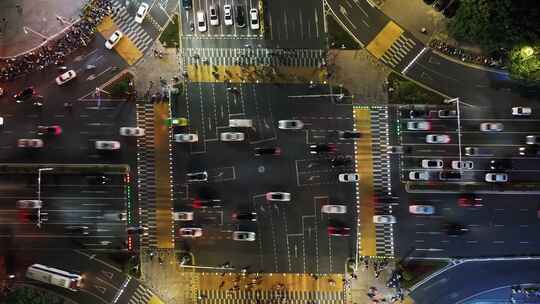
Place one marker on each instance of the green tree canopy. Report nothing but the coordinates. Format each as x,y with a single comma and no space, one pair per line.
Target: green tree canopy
496,24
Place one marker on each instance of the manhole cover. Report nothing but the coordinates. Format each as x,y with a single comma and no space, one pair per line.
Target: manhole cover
261,169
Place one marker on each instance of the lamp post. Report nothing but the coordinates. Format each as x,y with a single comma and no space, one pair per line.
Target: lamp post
27,30
39,192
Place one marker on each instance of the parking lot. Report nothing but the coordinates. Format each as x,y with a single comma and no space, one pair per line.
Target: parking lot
290,236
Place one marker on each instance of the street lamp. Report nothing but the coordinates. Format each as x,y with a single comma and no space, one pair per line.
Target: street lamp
39,192
456,100
27,29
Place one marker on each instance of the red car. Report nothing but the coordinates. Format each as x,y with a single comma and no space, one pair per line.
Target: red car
49,130
469,200
212,203
339,231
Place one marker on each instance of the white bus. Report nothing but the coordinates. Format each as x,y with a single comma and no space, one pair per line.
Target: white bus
54,276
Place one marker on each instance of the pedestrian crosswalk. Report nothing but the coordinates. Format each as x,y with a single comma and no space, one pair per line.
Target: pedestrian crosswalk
146,173
249,296
142,295
255,56
126,23
384,238
398,50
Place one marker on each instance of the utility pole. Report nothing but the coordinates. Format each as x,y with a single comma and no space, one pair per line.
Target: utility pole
39,193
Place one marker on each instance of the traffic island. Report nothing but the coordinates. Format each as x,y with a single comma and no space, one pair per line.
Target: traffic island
404,91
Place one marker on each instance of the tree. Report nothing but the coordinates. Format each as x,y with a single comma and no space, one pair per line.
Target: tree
496,24
525,63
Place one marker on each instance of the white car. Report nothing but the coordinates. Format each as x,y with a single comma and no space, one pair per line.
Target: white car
131,131
190,232
432,163
491,127
214,15
254,19
186,138
278,196
421,209
107,145
334,209
532,140
464,164
1,121
447,113
201,22
227,14
232,136
29,204
521,111
496,177
121,216
419,175
290,124
418,125
348,177
437,139
183,216
65,77
244,236
114,39
141,12
30,143
384,219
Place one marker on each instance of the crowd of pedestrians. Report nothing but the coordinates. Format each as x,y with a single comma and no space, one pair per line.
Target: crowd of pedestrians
464,55
55,50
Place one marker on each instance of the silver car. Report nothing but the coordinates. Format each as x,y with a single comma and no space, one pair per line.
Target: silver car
290,124
419,175
334,209
491,127
246,236
232,136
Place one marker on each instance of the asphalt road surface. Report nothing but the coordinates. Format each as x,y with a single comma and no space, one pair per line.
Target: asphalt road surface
291,236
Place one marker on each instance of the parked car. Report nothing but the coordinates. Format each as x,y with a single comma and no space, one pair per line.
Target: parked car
227,14
65,77
437,139
421,209
268,151
464,164
131,131
491,127
30,143
190,232
447,113
183,216
141,12
338,231
384,219
418,125
107,145
521,111
334,209
232,136
29,204
450,175
254,19
197,176
49,130
345,135
245,216
419,175
290,124
114,39
240,16
432,163
532,139
322,148
247,236
186,137
201,22
278,196
496,177
348,177
214,15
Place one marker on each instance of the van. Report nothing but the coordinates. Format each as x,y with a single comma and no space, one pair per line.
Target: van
240,123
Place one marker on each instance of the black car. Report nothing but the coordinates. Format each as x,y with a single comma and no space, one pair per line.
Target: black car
240,16
500,164
450,10
245,216
414,113
209,203
449,175
530,150
197,176
441,4
82,230
98,179
322,148
349,135
24,94
454,229
341,161
268,151
187,4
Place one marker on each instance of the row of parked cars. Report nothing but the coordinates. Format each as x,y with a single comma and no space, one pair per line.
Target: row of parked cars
230,17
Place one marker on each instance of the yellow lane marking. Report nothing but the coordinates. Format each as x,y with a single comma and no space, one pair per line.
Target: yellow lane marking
236,73
384,39
271,281
155,300
164,224
125,47
364,163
